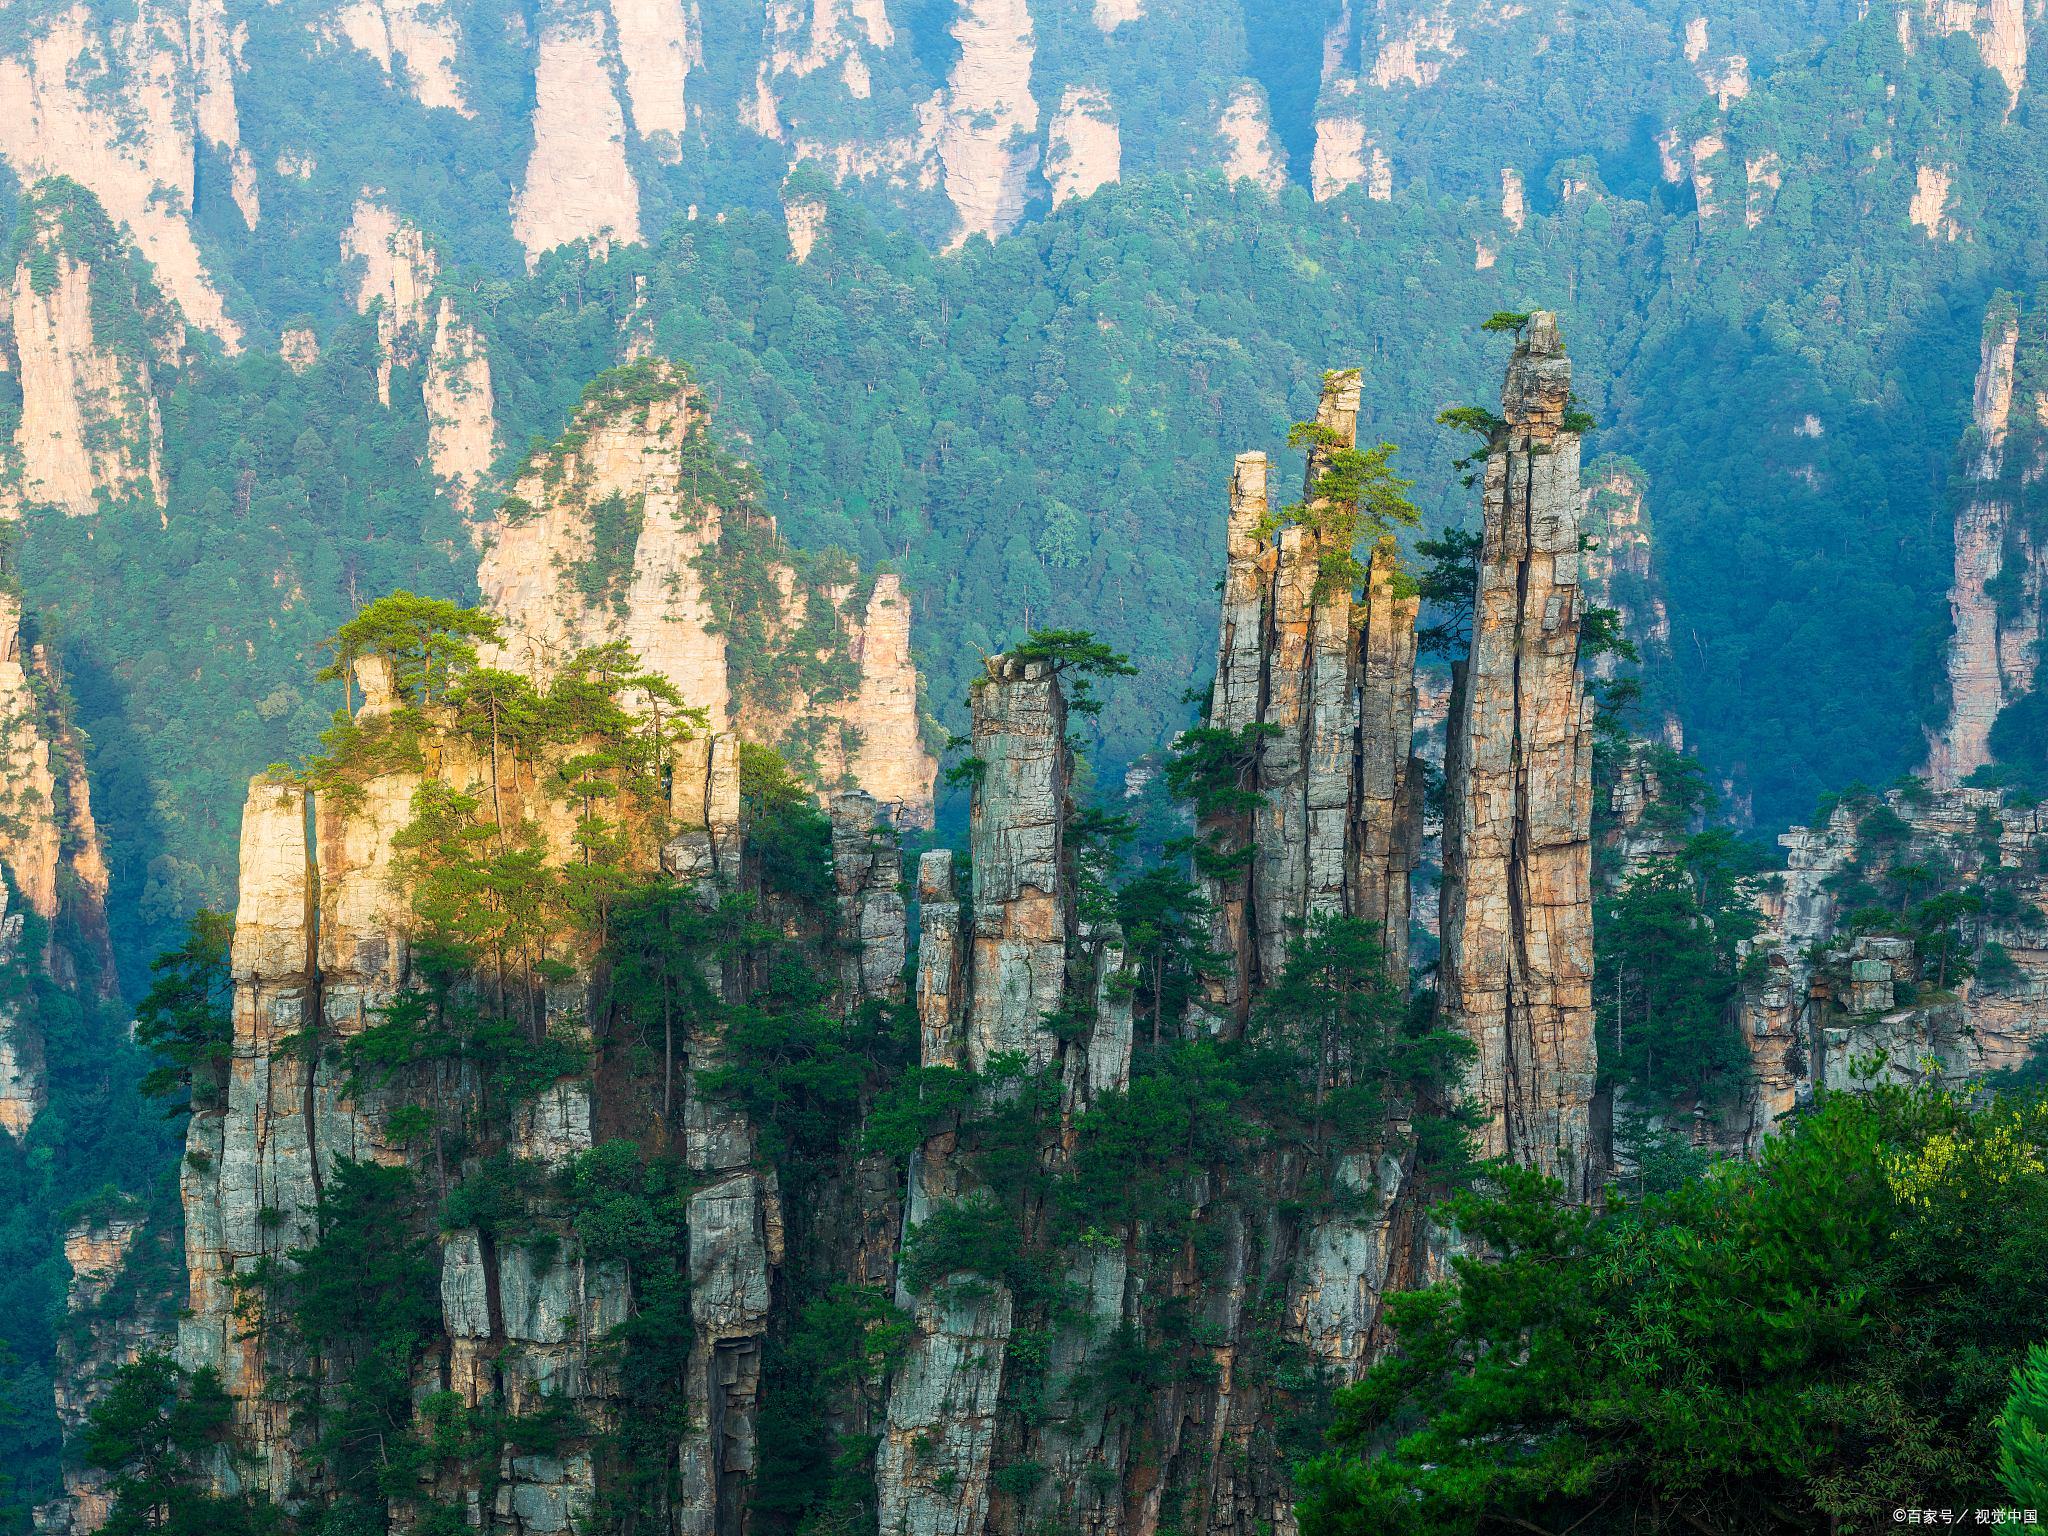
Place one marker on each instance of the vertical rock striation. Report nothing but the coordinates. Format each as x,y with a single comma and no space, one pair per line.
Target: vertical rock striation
988,141
1517,919
90,428
1990,656
398,273
1021,901
131,144
577,184
1331,676
607,537
422,38
461,422
867,868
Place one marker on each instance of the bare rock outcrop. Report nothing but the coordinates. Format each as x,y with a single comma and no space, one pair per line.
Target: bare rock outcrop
1253,149
399,270
606,537
51,847
98,1339
462,426
1991,656
1020,900
1517,918
133,147
90,427
660,42
577,185
398,278
1086,149
987,140
415,41
867,867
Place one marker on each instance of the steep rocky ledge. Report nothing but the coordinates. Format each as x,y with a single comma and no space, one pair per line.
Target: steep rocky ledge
1517,912
634,527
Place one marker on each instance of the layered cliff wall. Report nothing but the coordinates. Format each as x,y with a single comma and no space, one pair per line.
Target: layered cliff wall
1517,919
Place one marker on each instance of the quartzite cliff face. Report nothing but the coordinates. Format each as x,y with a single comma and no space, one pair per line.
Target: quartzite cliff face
608,537
1995,601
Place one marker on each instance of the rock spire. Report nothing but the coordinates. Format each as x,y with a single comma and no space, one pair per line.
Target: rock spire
1332,678
1516,902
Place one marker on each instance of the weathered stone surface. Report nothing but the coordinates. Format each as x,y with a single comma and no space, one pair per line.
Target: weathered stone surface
1345,1268
462,428
932,1469
1234,704
94,1345
1021,903
578,186
941,960
1988,663
867,867
90,426
465,1288
31,842
1386,809
135,146
1333,674
1517,921
662,607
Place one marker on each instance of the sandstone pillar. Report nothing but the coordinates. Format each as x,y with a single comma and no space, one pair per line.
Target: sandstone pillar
1235,702
1018,821
867,867
1332,671
939,959
1517,915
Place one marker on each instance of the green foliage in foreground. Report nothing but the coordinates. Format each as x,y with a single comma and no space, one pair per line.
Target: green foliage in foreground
1824,1335
2023,1431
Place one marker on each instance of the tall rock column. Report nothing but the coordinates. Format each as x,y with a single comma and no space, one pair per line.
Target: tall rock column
1332,672
1018,822
868,869
1386,811
1234,703
1517,914
257,1153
